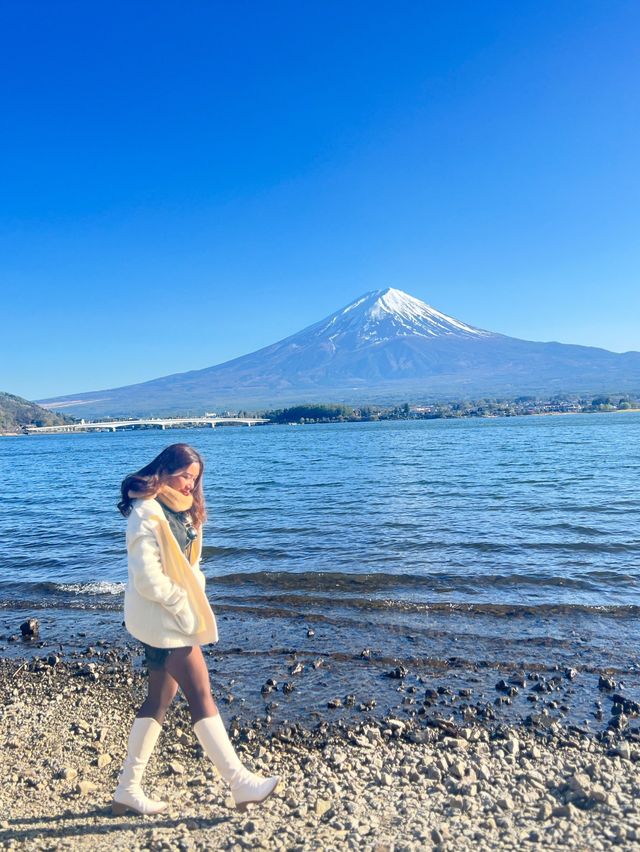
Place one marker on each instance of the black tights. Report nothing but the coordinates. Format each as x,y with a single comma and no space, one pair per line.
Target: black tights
185,668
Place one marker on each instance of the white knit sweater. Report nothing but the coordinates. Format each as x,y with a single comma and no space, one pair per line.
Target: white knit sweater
156,609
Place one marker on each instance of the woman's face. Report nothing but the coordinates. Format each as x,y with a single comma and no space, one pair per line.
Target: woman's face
184,479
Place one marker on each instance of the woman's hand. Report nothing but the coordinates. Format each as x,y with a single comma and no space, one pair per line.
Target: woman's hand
187,621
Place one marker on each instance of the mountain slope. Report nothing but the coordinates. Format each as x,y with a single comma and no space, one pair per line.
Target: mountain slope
16,412
384,346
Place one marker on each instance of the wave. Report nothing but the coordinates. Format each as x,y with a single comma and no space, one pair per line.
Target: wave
48,589
372,582
495,610
213,552
496,594
364,583
100,587
316,606
417,545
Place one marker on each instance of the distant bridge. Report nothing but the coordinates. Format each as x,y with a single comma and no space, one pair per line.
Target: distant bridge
157,422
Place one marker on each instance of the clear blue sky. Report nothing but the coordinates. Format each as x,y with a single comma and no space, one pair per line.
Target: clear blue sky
183,183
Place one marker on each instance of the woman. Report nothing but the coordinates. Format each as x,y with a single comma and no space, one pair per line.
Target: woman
165,607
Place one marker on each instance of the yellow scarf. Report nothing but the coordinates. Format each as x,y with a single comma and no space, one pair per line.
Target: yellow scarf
175,500
176,565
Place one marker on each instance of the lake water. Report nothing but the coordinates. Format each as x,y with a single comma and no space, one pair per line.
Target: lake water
498,540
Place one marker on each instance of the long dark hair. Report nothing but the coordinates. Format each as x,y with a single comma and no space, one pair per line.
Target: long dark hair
148,479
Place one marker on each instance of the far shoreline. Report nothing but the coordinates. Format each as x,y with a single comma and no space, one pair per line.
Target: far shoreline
325,421
565,413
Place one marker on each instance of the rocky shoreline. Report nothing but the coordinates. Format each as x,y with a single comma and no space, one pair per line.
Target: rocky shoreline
380,784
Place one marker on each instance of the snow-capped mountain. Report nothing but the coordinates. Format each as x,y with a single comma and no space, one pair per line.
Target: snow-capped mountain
385,346
385,314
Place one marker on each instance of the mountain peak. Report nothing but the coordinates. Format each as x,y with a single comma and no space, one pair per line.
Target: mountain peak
390,312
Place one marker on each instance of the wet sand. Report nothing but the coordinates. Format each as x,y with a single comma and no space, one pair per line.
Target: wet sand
438,779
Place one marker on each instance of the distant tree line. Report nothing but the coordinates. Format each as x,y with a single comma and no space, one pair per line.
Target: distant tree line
321,413
487,407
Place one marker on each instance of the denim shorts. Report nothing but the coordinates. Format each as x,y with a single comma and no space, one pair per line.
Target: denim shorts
156,658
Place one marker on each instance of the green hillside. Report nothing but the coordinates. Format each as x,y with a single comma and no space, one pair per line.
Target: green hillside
16,412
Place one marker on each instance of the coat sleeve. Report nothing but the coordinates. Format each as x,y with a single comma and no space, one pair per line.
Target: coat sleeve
145,565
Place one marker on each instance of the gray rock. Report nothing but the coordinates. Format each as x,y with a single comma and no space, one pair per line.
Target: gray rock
433,773
624,750
439,835
339,757
68,773
505,802
513,746
483,772
567,811
457,769
30,628
321,807
84,787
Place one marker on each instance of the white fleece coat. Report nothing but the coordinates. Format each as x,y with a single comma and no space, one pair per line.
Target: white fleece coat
158,610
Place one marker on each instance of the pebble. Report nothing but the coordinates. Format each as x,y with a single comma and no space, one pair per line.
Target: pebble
432,773
545,810
440,834
458,769
624,750
567,811
68,773
513,746
321,807
30,628
398,673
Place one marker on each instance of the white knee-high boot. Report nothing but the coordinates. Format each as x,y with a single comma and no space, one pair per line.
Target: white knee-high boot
245,786
128,795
